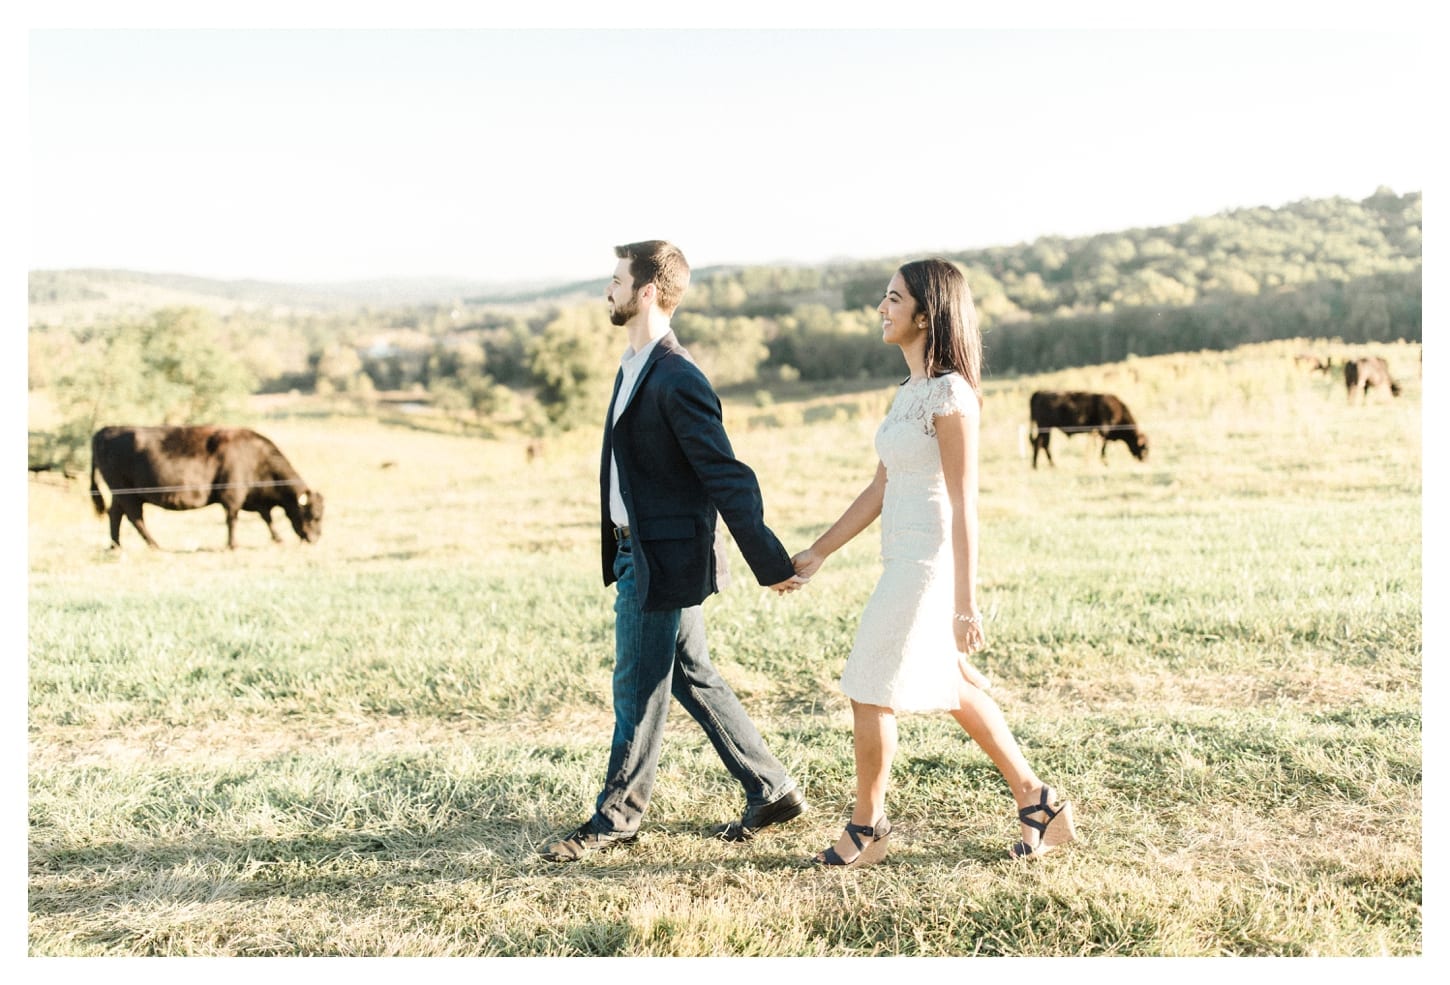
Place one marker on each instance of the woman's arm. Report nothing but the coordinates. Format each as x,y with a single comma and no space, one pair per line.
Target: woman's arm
957,436
858,516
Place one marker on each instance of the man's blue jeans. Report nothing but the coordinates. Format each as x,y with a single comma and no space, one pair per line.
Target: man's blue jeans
657,654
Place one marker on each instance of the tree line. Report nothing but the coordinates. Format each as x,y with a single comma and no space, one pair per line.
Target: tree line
1330,268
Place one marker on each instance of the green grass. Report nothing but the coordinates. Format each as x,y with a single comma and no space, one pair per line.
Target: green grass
355,748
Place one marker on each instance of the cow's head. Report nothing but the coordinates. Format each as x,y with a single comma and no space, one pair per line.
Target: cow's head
1139,446
306,516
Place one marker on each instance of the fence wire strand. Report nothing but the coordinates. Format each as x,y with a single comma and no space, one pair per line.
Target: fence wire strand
206,488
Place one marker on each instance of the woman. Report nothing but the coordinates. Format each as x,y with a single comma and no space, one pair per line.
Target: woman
925,609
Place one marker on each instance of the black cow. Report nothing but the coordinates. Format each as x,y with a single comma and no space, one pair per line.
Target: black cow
1075,411
186,468
1365,372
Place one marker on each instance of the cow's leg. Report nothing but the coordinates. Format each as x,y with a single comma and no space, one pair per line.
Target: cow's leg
132,508
232,514
266,516
117,514
1043,442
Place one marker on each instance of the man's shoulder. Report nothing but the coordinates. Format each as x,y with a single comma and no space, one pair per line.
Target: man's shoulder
674,362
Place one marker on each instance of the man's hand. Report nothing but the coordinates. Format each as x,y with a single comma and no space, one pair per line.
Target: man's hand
790,584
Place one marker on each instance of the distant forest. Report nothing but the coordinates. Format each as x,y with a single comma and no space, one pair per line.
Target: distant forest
1317,268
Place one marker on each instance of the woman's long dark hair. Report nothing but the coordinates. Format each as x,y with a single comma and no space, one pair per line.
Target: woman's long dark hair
953,341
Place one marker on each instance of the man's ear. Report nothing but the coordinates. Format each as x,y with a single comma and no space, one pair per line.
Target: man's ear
649,294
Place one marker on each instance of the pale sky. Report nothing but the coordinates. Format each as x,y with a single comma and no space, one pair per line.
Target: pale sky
504,153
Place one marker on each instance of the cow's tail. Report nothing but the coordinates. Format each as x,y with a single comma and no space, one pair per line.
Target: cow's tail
97,500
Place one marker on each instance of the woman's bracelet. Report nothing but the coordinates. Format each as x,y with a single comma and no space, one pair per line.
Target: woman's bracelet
961,618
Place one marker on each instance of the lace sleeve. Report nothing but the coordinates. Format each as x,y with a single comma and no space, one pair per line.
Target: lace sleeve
950,395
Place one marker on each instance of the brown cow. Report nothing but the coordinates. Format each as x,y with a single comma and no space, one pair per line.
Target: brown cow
186,468
1365,372
1074,411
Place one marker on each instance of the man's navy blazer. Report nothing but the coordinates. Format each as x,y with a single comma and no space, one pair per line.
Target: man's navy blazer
677,471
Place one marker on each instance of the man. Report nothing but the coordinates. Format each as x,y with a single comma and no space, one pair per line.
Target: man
666,471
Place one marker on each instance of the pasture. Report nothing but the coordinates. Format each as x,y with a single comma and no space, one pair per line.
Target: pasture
355,747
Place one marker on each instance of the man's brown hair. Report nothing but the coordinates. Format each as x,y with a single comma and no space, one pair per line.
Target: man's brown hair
660,263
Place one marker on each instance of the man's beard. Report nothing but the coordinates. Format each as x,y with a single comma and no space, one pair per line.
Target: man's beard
624,312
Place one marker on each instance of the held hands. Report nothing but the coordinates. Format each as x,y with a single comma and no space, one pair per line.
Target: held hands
806,563
789,585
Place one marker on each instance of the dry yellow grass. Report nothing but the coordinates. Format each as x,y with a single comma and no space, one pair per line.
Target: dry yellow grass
354,748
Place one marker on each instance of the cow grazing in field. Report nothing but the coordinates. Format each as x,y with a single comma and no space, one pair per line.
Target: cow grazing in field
186,468
1365,372
1313,363
1075,411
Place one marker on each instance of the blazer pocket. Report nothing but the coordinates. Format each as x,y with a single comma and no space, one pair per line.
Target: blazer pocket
667,528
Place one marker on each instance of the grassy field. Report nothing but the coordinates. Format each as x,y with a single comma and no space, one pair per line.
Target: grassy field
355,748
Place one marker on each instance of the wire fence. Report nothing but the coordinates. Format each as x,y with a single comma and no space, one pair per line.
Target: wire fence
1289,425
1024,448
195,487
1075,429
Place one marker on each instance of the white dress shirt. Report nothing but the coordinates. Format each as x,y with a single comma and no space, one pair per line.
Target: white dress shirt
631,364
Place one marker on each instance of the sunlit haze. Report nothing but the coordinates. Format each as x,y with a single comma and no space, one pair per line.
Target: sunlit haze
515,154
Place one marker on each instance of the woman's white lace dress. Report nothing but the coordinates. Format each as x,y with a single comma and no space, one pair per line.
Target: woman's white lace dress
905,655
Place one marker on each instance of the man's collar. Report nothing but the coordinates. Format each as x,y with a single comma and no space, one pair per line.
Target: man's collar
631,353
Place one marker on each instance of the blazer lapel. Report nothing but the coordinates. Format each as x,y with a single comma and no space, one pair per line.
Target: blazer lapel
666,345
608,448
609,408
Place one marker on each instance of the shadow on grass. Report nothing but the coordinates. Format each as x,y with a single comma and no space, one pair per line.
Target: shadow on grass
204,870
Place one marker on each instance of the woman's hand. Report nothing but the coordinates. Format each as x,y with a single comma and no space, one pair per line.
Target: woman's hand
970,639
969,634
807,563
